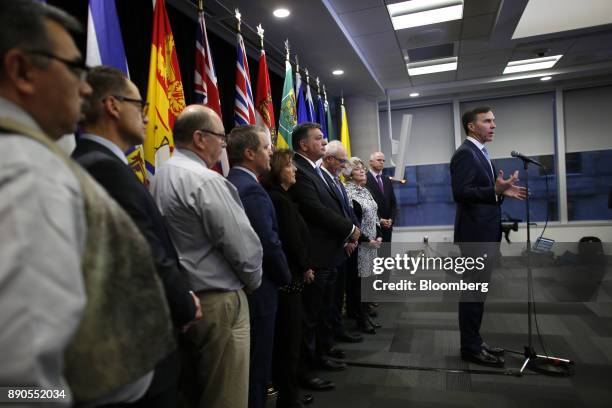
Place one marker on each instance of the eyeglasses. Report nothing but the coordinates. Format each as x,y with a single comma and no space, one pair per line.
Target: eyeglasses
78,68
221,136
144,106
341,161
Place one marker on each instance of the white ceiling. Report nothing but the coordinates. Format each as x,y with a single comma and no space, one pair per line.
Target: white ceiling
358,37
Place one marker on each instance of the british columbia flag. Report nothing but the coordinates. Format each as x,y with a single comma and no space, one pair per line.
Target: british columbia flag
244,108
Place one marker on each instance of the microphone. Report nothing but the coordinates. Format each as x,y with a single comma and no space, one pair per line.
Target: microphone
518,155
400,181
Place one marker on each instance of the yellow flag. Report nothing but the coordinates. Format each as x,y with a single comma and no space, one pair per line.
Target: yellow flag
164,92
344,131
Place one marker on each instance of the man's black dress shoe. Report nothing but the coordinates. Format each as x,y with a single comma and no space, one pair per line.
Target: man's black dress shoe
346,337
307,399
336,353
318,384
496,351
484,358
330,365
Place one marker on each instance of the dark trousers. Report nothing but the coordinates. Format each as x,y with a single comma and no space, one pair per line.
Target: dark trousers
353,286
287,343
262,344
317,300
470,319
336,309
471,304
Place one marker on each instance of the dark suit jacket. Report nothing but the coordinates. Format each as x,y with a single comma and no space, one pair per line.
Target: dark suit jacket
478,216
387,204
323,214
260,211
293,232
121,183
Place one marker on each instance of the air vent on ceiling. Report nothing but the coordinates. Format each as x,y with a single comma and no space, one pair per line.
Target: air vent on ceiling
432,52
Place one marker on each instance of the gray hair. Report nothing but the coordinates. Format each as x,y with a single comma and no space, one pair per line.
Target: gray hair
333,147
23,25
353,163
374,154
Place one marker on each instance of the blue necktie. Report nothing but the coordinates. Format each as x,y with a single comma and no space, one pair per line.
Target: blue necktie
486,154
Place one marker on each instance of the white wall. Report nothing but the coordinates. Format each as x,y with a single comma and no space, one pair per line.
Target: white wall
362,116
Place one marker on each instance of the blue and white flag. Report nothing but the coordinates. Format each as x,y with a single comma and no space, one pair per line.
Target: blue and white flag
310,112
104,42
322,116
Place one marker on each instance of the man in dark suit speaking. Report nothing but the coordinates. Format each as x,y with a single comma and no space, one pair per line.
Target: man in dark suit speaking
478,192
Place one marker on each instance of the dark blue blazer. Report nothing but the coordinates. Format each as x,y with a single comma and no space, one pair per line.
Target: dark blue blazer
260,211
323,213
478,216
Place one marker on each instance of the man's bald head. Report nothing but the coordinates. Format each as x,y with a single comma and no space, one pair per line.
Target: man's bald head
377,161
194,117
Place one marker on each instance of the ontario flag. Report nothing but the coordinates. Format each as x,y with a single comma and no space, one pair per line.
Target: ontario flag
264,110
244,109
205,80
164,92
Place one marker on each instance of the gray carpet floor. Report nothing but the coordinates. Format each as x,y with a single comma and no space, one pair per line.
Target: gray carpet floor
426,335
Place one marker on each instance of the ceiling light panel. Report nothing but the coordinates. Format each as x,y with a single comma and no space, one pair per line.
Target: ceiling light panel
532,64
545,16
417,13
432,66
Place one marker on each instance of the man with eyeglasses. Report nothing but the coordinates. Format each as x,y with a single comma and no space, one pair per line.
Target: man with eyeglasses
334,160
329,230
220,252
114,120
63,253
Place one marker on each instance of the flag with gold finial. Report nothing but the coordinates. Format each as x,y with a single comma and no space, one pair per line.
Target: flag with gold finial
288,116
264,110
165,95
344,131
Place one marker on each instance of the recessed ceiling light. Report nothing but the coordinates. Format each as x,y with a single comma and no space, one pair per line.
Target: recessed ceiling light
338,72
414,94
532,64
432,66
546,78
281,13
417,13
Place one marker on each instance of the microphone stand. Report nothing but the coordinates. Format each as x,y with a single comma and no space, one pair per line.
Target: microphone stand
536,362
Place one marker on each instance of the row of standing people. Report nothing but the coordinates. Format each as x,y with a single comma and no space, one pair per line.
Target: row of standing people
126,271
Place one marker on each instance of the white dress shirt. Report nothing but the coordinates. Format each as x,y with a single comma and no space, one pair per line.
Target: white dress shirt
213,236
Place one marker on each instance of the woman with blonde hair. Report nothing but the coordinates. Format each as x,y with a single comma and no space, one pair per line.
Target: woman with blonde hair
361,263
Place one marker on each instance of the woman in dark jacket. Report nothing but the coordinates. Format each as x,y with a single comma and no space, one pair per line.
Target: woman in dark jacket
294,235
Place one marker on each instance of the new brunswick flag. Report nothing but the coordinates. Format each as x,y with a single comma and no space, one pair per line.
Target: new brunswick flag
164,92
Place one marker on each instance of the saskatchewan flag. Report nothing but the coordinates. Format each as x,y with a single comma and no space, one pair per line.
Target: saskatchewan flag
288,118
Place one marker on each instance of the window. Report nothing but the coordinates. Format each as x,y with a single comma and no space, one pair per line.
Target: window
588,124
426,198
